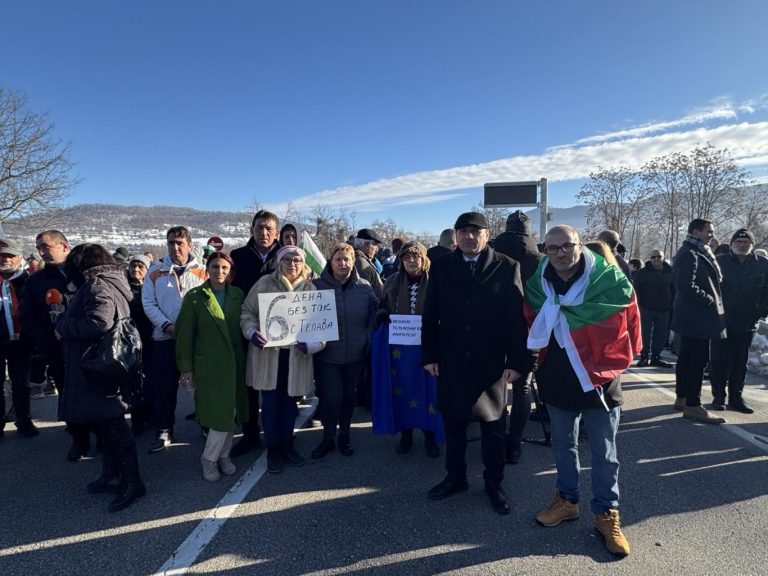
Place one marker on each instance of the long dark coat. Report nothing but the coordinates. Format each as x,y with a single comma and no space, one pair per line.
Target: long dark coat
208,342
90,314
697,311
473,328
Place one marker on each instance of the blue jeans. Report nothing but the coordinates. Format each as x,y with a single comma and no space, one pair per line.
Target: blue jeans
602,426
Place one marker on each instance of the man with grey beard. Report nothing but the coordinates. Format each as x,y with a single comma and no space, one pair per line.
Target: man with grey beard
745,299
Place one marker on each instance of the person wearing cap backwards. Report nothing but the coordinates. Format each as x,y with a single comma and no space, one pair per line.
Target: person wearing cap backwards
474,342
366,246
745,299
14,346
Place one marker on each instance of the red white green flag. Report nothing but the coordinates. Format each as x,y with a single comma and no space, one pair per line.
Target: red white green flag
596,322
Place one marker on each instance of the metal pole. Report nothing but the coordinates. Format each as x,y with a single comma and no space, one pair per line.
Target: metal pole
543,209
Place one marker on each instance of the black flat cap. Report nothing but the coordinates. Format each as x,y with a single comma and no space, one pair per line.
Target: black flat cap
368,234
471,219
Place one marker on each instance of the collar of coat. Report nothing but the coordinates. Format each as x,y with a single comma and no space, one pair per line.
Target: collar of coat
233,300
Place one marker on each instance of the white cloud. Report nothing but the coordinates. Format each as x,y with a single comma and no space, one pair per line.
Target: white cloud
747,141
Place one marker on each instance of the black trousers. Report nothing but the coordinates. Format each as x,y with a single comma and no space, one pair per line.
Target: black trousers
337,386
15,355
728,364
692,357
521,407
491,448
119,455
163,384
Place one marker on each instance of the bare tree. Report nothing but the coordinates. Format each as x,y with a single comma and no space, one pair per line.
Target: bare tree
388,230
615,198
496,217
34,164
705,183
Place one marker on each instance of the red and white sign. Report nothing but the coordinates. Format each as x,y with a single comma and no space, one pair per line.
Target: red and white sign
216,242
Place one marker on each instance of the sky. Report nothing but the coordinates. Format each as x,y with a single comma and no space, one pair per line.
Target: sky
397,109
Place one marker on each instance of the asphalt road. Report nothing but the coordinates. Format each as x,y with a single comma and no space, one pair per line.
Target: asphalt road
693,502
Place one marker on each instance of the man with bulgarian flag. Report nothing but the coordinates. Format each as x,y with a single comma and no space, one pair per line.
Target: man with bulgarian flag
584,321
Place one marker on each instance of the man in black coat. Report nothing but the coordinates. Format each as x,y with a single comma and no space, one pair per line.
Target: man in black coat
517,242
252,261
697,315
745,299
445,245
37,313
474,342
14,345
655,289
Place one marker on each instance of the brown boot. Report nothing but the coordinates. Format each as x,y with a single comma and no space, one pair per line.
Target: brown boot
608,524
559,510
699,414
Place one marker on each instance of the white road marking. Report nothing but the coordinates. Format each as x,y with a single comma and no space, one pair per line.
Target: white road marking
189,551
756,440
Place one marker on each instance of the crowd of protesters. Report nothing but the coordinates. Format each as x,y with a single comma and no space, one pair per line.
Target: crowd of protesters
495,313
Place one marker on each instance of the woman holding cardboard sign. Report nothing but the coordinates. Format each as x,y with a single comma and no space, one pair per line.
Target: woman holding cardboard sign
280,372
339,366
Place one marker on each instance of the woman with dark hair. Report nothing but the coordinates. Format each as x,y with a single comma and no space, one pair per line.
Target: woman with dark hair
339,366
102,297
211,360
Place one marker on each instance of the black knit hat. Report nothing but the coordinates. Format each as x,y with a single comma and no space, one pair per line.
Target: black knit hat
743,233
519,223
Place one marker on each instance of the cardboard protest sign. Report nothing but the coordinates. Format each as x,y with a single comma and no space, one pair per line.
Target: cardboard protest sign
290,317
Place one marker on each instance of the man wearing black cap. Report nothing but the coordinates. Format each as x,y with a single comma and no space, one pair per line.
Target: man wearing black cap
745,299
366,246
474,342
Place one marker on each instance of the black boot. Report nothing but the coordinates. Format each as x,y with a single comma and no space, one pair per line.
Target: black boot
110,479
433,450
345,446
513,449
406,441
274,460
117,433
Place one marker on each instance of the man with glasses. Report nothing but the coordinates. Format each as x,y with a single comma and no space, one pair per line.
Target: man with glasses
252,261
655,288
585,325
473,341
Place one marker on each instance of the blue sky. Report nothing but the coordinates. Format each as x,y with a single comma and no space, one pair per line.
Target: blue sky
396,108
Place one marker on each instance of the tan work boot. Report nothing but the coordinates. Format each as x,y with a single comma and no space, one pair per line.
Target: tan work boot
609,525
699,414
559,510
679,404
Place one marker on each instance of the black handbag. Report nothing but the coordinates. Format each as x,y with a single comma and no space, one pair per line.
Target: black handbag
114,362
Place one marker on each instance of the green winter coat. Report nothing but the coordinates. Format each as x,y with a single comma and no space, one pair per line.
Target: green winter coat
209,344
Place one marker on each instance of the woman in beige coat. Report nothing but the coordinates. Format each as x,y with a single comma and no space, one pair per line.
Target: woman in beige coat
280,373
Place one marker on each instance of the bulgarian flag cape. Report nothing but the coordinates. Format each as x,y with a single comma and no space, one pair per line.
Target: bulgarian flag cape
596,322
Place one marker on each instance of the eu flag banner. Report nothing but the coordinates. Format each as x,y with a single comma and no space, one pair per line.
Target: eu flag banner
404,394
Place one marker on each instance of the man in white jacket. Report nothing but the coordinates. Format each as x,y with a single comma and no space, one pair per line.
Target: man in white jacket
162,293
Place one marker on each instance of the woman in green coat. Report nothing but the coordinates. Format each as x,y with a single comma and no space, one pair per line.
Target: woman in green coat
211,359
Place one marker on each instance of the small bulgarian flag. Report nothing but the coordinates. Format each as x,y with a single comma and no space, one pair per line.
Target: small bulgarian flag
596,322
314,257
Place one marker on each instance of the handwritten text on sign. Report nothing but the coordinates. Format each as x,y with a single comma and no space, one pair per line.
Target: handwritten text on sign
290,317
405,330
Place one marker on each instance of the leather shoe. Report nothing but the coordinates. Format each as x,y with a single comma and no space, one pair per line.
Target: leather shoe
659,363
447,488
498,499
739,405
104,484
642,363
325,447
718,404
133,492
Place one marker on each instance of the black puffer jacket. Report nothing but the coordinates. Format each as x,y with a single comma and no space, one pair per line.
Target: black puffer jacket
745,291
655,289
91,313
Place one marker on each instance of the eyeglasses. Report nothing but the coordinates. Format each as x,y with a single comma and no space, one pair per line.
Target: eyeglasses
295,261
655,257
553,249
